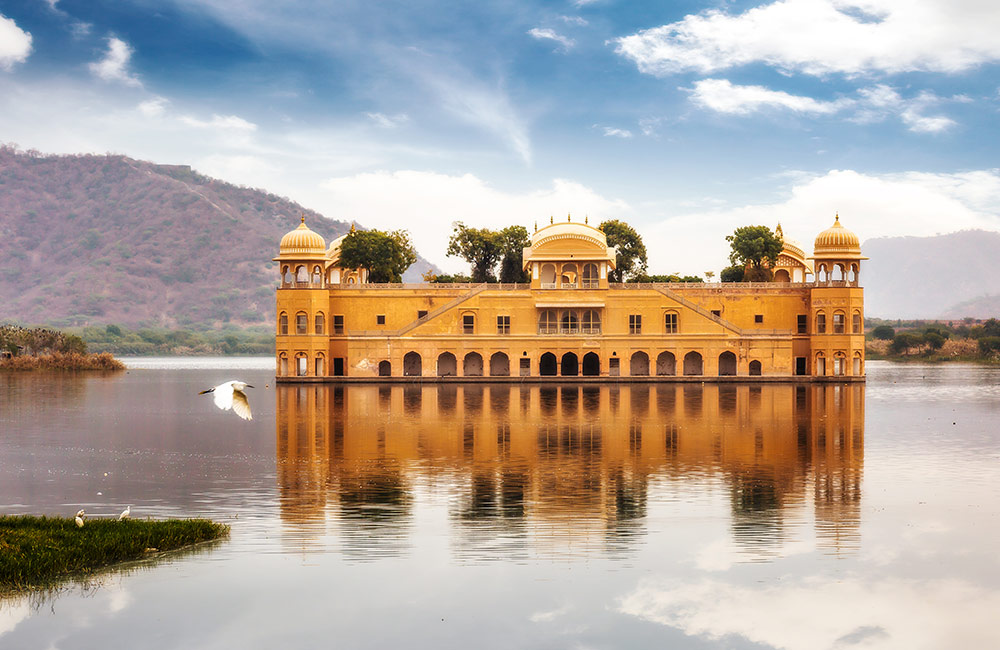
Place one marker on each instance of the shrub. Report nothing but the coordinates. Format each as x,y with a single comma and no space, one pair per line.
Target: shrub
883,333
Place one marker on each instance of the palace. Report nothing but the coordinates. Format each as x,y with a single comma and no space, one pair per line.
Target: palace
570,321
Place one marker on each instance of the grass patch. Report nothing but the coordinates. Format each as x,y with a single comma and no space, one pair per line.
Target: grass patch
36,550
63,361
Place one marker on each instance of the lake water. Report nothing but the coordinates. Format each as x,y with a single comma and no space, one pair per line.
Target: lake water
508,516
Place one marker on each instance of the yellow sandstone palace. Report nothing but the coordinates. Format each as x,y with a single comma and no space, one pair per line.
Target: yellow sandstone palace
569,321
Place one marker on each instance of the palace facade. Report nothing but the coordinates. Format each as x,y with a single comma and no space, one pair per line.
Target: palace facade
570,321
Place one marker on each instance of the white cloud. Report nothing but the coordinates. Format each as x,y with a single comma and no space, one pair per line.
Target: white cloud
873,104
114,65
226,122
388,121
544,33
613,132
401,199
574,20
152,108
15,43
584,3
872,614
722,96
825,36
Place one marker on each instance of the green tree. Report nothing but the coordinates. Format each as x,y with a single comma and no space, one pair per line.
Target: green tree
755,248
904,341
732,274
631,261
480,247
514,239
883,332
385,255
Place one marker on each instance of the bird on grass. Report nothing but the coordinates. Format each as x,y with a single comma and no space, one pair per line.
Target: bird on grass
80,514
126,514
230,395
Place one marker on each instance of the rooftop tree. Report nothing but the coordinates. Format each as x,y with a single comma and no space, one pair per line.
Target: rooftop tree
385,255
631,261
480,247
756,249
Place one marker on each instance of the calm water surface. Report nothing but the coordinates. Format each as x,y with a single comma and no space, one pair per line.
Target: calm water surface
500,516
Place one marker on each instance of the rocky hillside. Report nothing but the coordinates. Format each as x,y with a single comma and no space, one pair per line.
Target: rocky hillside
947,276
94,239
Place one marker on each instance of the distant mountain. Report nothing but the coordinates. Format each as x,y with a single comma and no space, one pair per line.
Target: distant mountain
92,239
947,276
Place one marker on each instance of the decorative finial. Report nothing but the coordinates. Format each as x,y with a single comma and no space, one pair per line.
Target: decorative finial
836,217
303,215
352,226
568,218
536,225
551,219
586,219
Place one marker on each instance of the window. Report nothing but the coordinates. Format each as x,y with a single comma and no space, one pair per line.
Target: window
468,324
525,367
421,313
838,322
670,322
547,322
301,275
717,313
635,324
338,324
380,319
758,318
301,365
590,280
821,323
503,324
856,324
283,324
591,323
320,369
569,323
320,323
802,322
301,322
338,367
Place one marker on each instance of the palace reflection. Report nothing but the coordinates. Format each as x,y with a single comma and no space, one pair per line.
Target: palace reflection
569,468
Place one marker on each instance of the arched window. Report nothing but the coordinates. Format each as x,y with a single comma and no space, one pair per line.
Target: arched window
317,277
856,326
590,277
569,323
639,365
447,365
838,273
670,322
570,365
781,275
755,368
693,364
666,364
301,275
839,364
301,322
384,369
568,277
472,365
591,364
853,275
286,276
320,365
548,276
283,365
727,364
838,322
591,323
820,323
547,323
412,365
820,364
499,365
301,364
283,323
548,365
856,370
821,275
320,323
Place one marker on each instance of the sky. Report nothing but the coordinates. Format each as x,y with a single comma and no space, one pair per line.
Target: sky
686,119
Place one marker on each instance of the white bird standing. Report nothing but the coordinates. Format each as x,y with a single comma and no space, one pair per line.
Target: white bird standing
230,395
79,520
126,513
80,513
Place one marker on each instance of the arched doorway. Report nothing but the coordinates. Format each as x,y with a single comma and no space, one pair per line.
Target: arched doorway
639,365
693,364
570,365
499,365
591,365
384,369
856,370
447,365
472,365
666,364
755,368
781,275
547,365
727,364
412,365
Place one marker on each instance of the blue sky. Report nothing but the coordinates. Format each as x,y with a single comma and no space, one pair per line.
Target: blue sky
686,119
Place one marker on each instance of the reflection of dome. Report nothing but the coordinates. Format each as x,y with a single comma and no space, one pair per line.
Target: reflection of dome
302,241
836,240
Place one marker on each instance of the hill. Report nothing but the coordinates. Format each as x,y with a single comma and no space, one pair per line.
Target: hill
947,276
92,239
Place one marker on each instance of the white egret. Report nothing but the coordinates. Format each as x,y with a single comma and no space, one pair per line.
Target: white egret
230,395
81,513
126,513
79,521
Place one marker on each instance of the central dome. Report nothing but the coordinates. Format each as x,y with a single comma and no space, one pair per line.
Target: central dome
836,239
302,241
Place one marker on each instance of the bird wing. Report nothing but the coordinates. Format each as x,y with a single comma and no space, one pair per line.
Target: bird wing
223,396
241,406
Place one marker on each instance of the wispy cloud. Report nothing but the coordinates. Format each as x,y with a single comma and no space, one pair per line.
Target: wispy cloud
114,65
574,20
722,96
233,122
544,33
152,108
388,121
812,36
15,43
614,132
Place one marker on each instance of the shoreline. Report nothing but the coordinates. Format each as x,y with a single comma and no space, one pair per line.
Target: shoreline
71,361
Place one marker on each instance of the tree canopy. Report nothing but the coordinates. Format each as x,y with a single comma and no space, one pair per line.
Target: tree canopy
756,248
483,248
631,261
385,255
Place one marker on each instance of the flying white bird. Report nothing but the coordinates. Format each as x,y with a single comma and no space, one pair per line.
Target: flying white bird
126,514
230,395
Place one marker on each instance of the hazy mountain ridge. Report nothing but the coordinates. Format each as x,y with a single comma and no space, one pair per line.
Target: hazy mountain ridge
109,239
946,276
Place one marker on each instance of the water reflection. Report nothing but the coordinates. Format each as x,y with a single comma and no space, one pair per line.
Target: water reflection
567,470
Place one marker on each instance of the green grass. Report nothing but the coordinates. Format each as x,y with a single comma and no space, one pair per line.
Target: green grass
34,551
